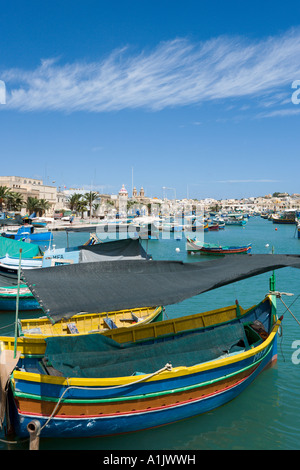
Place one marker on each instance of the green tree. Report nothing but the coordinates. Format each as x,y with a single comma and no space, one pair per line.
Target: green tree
4,193
43,206
32,204
90,198
74,201
14,201
82,207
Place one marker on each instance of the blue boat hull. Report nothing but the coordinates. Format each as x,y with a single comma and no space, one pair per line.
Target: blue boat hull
34,237
8,304
140,420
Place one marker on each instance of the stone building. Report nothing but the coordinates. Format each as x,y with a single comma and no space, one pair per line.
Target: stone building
31,187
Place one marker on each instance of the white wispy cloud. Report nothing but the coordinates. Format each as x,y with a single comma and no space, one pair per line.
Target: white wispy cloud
291,111
175,73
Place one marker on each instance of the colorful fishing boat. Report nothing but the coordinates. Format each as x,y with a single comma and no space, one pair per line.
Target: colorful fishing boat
8,299
132,386
32,256
87,323
94,385
213,227
233,219
10,265
215,249
286,217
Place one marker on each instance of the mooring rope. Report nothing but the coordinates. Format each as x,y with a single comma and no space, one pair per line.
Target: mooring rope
279,296
166,367
288,308
6,326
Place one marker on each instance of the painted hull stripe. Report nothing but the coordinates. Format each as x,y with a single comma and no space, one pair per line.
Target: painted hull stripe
174,406
144,396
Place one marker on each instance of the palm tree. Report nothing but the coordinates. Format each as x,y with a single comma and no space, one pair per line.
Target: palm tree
90,198
14,201
4,192
74,201
43,206
81,207
32,204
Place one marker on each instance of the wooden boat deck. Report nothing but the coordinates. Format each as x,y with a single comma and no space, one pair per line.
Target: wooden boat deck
88,322
35,344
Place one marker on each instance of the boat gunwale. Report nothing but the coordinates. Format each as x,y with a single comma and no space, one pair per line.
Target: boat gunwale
146,396
39,341
176,372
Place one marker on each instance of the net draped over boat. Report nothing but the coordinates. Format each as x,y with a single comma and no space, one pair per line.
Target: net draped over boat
98,356
64,291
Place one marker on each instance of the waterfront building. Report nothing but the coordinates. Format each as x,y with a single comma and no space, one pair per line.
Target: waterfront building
31,187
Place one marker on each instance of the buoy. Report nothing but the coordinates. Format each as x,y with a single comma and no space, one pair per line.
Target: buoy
177,249
267,245
275,229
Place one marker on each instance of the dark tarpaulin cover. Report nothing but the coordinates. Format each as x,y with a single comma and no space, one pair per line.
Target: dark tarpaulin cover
112,250
63,291
16,221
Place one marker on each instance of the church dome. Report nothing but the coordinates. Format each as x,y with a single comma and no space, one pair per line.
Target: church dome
123,191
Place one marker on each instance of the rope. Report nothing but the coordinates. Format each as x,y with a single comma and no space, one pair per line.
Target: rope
6,326
166,367
287,308
279,295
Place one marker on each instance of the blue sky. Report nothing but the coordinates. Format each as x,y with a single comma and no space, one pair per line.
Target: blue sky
193,95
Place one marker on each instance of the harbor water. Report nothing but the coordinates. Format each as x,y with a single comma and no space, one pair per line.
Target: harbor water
267,414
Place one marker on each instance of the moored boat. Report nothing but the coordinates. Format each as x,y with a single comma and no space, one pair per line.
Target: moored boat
87,323
28,232
8,298
132,386
93,385
215,249
233,219
213,227
286,217
32,256
91,251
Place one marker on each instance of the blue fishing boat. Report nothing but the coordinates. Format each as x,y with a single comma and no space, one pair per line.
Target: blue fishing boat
8,298
27,232
134,392
234,219
91,385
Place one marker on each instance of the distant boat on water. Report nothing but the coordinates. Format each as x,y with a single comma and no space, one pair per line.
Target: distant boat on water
285,217
28,232
215,249
233,219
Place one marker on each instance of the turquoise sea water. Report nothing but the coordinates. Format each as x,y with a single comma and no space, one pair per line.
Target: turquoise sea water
264,416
